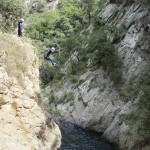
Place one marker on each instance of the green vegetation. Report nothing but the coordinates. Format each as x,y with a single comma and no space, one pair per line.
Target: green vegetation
52,98
143,106
67,28
54,113
11,11
54,28
77,67
64,99
128,91
143,109
73,78
42,27
139,120
88,7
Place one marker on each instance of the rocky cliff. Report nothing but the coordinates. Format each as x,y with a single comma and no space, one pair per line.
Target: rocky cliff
95,103
23,123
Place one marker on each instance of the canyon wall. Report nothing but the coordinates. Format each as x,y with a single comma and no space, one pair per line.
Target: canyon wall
24,124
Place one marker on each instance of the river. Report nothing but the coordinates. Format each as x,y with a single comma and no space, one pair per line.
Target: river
76,138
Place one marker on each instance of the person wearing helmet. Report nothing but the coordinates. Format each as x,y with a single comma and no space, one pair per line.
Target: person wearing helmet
47,54
20,27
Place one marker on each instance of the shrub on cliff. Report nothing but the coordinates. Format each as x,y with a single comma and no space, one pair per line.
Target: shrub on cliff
143,111
139,119
143,106
94,46
37,6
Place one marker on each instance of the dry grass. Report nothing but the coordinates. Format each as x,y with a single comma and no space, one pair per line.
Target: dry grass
14,56
2,100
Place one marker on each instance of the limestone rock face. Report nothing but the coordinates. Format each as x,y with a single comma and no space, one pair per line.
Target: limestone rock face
23,123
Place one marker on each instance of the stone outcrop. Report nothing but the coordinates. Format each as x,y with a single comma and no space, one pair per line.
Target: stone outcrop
34,5
52,4
23,123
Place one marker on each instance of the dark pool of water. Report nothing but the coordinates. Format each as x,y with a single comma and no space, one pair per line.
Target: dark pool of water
76,138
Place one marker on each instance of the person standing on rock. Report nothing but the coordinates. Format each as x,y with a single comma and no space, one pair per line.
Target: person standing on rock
47,54
20,27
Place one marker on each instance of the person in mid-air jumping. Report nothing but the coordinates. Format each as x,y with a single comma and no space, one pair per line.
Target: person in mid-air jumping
48,53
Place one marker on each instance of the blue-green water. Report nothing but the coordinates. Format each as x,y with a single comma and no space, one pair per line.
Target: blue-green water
75,138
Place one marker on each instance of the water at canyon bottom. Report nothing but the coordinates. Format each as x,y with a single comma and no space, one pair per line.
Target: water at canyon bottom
76,138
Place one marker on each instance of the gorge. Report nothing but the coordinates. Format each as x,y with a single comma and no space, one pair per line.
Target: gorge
101,81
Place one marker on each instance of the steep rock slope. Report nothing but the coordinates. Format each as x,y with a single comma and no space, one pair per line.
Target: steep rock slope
23,124
95,103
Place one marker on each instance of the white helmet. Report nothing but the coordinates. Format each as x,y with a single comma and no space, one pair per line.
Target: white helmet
22,20
53,48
